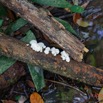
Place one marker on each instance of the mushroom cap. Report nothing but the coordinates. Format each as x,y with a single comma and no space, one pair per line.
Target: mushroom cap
36,47
33,41
65,56
68,59
64,53
54,51
42,45
47,50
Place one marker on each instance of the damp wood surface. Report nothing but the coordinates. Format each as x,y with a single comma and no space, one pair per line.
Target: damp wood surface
12,75
18,50
50,27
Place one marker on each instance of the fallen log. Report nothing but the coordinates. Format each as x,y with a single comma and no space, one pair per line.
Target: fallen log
18,50
12,75
42,19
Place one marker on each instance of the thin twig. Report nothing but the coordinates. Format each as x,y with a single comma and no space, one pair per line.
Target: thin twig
66,85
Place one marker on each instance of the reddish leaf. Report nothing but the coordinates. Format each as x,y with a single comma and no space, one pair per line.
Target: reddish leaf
76,16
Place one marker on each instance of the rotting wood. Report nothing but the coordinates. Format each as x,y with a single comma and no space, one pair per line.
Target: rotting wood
12,75
41,19
18,50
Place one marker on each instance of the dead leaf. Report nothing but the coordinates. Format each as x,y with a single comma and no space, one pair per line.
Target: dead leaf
85,4
36,98
75,2
10,14
82,23
67,9
76,16
77,19
8,101
100,96
30,84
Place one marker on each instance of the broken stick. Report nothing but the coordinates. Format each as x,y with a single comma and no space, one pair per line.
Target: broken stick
48,25
75,70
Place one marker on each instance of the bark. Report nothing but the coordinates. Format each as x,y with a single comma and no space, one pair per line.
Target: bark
75,70
49,26
14,73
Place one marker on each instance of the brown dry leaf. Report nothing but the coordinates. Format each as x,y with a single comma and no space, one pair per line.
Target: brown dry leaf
77,19
100,96
30,84
10,14
67,9
76,16
36,98
8,101
85,4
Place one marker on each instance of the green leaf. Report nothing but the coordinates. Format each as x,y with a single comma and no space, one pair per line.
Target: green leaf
67,26
29,36
76,9
92,60
55,3
8,29
5,63
61,4
3,10
1,30
35,72
1,22
16,25
37,76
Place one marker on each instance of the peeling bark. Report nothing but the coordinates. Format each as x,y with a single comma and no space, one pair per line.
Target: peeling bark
75,70
42,19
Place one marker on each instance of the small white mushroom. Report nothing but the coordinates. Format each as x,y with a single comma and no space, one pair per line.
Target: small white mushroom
54,51
36,47
33,41
42,45
65,56
47,50
64,53
41,49
68,59
57,51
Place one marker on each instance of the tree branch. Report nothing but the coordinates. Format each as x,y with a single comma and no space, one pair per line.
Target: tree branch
49,26
79,71
14,73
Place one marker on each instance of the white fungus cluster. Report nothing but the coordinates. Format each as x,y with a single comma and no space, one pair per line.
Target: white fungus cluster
65,56
47,50
54,51
40,47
